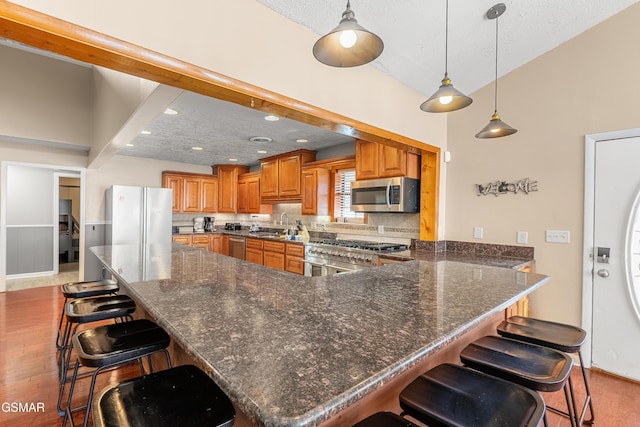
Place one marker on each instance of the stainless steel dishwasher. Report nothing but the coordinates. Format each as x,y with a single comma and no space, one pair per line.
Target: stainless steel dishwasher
236,247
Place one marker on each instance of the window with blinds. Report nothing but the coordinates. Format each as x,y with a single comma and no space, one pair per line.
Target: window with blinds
342,201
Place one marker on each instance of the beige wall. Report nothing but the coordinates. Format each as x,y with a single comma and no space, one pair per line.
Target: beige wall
588,85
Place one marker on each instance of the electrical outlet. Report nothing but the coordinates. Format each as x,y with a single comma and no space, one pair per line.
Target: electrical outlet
381,229
477,232
557,236
522,238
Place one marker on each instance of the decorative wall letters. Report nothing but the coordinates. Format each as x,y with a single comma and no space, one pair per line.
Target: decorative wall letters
503,187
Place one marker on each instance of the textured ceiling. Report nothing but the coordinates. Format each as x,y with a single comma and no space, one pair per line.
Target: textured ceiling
222,129
413,32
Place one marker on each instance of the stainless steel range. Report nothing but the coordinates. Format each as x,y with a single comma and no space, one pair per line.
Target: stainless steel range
329,256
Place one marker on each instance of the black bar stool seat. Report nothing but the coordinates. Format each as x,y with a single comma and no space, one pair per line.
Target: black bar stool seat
559,336
85,310
533,366
451,395
75,290
108,346
181,396
385,419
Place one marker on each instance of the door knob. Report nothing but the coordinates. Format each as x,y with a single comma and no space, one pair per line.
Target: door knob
603,272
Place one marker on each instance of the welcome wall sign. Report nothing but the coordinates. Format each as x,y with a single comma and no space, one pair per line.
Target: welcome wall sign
503,187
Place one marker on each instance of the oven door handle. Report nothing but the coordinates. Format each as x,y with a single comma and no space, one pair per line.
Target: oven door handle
337,268
319,264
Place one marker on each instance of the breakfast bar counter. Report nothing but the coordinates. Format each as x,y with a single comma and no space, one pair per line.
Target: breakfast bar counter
291,350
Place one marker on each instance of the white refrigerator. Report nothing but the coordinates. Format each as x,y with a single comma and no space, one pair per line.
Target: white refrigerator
138,215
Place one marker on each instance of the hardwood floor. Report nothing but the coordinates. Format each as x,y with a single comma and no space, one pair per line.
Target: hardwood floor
28,323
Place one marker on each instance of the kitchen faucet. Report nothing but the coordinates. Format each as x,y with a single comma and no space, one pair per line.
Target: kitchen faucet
287,215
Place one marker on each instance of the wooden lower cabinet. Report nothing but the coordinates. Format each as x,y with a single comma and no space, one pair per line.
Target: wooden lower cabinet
254,251
274,255
185,240
294,256
219,244
200,241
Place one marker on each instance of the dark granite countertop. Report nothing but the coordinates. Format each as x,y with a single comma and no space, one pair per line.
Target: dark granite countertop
479,259
294,351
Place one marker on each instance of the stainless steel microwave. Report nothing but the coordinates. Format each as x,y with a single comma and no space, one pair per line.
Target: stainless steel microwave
397,194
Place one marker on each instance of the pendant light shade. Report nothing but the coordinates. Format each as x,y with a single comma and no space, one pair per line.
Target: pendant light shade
496,127
447,98
349,44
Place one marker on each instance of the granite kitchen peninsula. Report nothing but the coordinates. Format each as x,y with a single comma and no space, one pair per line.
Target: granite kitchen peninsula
291,350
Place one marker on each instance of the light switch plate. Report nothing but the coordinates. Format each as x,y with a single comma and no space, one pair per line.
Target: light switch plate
477,232
557,236
522,237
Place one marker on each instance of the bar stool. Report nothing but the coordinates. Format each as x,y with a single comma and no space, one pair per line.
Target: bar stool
82,311
181,396
558,336
75,290
108,346
532,366
87,310
385,419
452,395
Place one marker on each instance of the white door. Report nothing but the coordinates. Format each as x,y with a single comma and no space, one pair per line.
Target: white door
616,320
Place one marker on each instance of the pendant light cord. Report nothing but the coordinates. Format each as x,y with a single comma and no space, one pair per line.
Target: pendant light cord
495,86
446,39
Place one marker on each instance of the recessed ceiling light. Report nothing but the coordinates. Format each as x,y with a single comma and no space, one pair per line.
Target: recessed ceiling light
197,148
272,118
145,132
170,112
301,140
233,160
260,139
128,145
262,151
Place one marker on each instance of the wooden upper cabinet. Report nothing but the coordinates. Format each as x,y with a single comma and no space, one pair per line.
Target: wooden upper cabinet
315,191
228,186
192,201
383,161
195,193
281,176
249,194
269,177
174,182
366,160
209,193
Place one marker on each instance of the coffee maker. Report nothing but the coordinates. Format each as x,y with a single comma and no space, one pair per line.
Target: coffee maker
208,223
198,224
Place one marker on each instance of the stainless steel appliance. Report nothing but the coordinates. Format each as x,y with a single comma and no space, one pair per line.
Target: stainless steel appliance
398,194
232,226
198,224
209,223
330,256
138,215
236,247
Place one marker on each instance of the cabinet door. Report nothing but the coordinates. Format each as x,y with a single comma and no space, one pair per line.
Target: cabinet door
289,169
253,196
269,178
200,242
227,190
191,195
392,162
274,260
175,183
309,192
243,196
209,195
220,244
367,154
294,264
253,255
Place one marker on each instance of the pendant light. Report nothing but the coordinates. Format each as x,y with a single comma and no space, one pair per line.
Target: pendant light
496,127
348,44
446,98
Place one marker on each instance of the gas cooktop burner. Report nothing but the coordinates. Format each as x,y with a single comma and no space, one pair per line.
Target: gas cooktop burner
359,244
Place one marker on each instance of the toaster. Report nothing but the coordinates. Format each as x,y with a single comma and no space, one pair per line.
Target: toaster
232,226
